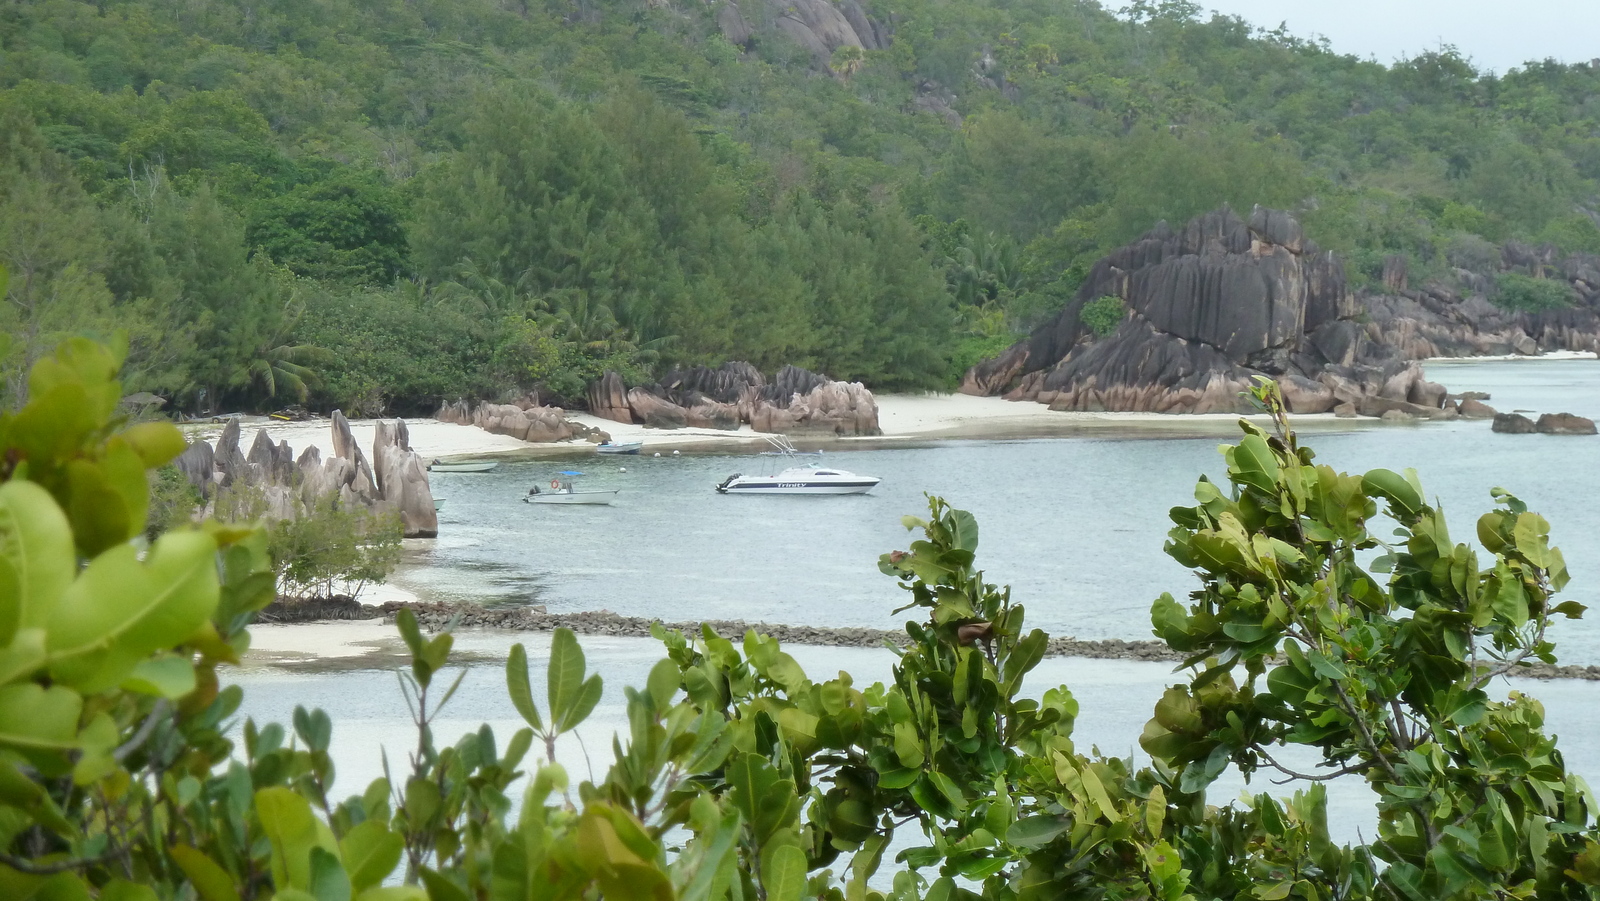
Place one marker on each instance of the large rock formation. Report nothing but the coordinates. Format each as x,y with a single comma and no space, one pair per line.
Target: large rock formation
1209,308
795,401
272,483
1224,300
525,419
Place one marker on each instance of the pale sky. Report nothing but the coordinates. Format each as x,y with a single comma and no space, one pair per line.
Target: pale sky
1496,34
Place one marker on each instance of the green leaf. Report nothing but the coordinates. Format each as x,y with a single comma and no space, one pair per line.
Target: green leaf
1252,463
123,890
784,874
566,684
25,655
314,728
212,882
441,888
1401,494
963,530
588,697
37,560
663,683
371,852
166,676
119,611
519,688
33,717
328,879
1036,831
291,831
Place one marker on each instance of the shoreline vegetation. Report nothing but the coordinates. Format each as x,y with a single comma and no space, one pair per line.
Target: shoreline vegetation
436,617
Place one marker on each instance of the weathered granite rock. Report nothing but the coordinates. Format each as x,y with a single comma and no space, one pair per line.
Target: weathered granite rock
1514,424
608,398
1472,408
1267,301
198,464
725,384
1211,306
795,400
230,461
1426,393
656,412
1345,411
732,24
403,479
533,424
1302,395
285,487
1564,424
1397,416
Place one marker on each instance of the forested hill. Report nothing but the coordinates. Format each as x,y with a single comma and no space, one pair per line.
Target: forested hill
390,202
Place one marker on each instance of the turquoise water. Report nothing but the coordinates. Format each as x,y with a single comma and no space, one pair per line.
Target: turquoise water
1075,525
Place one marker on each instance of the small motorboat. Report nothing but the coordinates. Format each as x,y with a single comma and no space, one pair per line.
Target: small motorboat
619,447
464,466
561,491
810,479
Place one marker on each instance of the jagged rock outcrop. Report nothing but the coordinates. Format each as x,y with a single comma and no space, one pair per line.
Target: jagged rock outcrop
272,483
608,398
403,478
1210,307
1472,408
525,420
1224,300
796,400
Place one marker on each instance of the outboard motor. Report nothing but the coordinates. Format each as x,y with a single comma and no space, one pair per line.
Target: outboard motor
723,488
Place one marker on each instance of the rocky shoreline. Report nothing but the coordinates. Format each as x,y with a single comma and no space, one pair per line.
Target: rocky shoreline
435,617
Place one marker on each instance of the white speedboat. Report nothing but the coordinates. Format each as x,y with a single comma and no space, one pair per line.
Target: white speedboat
619,447
562,491
812,479
464,466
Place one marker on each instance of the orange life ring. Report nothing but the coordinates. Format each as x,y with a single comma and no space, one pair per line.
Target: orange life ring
555,483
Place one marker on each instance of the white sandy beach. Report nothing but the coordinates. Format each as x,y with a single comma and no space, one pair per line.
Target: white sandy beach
903,417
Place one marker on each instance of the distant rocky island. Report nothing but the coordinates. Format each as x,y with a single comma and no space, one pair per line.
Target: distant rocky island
1224,300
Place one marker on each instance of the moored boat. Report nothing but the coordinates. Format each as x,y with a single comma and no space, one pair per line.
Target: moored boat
562,491
619,447
812,479
464,466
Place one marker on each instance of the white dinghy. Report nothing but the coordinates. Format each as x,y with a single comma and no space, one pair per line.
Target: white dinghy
562,491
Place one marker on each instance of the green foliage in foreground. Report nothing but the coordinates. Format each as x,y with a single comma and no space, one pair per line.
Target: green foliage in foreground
739,776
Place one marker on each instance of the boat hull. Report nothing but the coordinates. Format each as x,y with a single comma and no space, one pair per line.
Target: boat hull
620,449
860,485
463,467
585,498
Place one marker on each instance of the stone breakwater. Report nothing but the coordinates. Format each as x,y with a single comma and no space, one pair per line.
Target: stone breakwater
437,617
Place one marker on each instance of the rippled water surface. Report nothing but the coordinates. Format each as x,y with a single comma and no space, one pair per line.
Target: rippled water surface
1074,524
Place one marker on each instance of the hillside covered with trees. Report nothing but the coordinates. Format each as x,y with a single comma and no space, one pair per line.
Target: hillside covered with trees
380,204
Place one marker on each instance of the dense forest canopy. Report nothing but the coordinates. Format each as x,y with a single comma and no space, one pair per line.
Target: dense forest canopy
378,204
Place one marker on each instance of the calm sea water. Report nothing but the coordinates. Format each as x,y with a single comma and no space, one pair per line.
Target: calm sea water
1074,525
